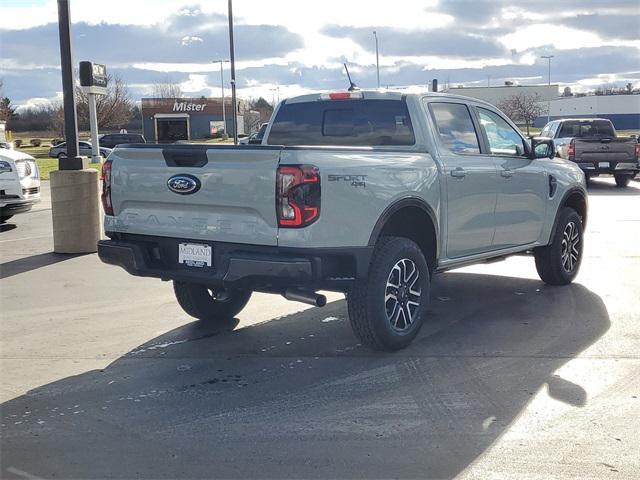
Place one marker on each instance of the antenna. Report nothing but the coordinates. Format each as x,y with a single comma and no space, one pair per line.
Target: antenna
352,87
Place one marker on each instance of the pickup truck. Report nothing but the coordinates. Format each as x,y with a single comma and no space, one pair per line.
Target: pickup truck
592,143
366,193
19,183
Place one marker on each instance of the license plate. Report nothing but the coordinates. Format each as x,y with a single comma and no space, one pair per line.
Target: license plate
195,254
603,164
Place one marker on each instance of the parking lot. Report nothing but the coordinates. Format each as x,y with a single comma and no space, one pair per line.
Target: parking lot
104,375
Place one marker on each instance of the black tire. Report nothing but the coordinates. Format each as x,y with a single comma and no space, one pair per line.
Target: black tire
200,302
552,262
372,314
622,181
4,218
61,154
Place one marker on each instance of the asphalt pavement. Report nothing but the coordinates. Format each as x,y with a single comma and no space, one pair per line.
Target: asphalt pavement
103,376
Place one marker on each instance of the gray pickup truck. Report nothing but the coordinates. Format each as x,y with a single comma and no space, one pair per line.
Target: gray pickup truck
593,144
366,193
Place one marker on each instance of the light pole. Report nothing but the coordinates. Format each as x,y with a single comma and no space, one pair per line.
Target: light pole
548,57
224,114
72,160
232,56
375,34
277,90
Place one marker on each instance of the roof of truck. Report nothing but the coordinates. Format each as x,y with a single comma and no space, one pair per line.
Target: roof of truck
383,95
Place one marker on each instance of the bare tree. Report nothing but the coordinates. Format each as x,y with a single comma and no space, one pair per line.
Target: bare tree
166,89
523,108
113,109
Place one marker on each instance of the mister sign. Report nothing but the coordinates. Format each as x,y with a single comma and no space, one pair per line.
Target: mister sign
93,78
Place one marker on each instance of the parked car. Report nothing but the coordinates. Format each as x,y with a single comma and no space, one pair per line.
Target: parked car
593,144
256,137
19,183
367,193
111,140
60,150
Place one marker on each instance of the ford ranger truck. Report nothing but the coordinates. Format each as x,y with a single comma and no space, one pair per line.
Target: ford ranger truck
366,193
593,144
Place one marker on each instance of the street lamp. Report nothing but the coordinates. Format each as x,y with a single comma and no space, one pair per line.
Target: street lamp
224,115
548,57
232,56
375,34
277,90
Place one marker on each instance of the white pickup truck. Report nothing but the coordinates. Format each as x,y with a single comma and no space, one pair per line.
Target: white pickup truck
366,193
19,183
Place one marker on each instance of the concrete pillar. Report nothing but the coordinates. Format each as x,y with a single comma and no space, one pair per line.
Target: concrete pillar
75,209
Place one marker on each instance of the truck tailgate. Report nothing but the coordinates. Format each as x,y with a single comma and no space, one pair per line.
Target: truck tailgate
235,201
604,150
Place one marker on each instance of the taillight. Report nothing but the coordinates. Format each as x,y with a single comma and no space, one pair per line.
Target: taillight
297,195
341,96
637,151
571,151
106,188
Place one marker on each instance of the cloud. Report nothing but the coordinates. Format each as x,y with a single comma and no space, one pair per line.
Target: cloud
187,36
420,42
609,26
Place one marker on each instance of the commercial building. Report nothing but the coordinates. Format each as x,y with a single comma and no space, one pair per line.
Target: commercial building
495,95
622,110
166,120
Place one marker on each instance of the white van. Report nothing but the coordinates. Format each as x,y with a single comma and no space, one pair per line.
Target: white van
19,183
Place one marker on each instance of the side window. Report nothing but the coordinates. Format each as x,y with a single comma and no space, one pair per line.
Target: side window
455,127
503,139
546,131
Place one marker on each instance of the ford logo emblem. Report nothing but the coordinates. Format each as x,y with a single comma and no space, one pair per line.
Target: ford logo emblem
183,184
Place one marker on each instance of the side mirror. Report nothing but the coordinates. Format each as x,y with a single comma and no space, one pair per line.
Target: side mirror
542,147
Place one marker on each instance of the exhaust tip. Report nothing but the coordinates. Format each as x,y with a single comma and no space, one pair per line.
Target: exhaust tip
310,298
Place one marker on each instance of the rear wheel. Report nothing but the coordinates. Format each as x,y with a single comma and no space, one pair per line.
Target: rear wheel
210,305
622,181
387,308
4,218
559,262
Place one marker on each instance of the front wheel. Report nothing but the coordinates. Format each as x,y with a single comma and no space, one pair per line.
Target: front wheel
622,181
208,304
387,308
558,263
4,218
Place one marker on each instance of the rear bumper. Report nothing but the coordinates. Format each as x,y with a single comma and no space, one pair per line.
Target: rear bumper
263,268
626,168
17,207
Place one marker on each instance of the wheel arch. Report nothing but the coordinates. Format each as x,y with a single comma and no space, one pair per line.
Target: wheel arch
411,218
576,199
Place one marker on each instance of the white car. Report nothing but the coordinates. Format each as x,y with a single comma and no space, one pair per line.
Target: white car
19,183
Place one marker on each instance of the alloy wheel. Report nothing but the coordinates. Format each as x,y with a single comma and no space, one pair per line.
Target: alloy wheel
570,250
402,294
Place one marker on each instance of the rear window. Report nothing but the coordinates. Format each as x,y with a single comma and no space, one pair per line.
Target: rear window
597,128
343,123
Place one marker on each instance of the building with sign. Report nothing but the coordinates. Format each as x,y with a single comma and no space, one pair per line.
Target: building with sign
166,120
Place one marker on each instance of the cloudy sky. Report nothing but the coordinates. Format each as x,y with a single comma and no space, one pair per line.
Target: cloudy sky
294,46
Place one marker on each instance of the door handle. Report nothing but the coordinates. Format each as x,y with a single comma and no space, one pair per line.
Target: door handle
506,173
459,172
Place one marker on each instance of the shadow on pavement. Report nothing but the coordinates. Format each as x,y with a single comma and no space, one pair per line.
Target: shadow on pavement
597,187
7,227
296,397
26,264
